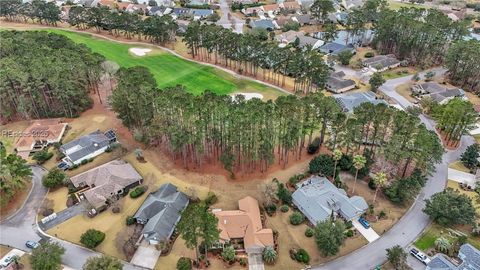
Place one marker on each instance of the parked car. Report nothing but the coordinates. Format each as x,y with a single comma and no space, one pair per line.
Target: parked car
364,223
420,255
6,262
32,244
63,166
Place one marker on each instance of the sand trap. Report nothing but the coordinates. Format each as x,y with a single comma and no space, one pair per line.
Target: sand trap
139,51
248,96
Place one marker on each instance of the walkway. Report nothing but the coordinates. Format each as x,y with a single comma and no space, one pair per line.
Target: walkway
255,261
369,233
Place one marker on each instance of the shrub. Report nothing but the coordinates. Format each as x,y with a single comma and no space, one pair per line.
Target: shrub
382,214
271,209
348,224
345,163
349,233
243,262
372,185
313,146
54,178
184,264
284,194
83,162
137,192
369,55
269,255
116,209
228,254
130,220
92,238
42,156
344,57
284,208
302,256
322,164
309,232
297,218
296,178
211,198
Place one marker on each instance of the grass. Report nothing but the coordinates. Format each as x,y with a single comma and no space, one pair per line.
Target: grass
458,165
427,240
397,73
168,69
397,5
471,194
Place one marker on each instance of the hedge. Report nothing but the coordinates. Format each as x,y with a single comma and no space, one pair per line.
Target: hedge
137,192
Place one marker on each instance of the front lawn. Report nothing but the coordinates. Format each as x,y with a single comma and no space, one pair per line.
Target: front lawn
397,73
427,240
458,165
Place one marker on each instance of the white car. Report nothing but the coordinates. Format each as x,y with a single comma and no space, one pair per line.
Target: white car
420,256
6,262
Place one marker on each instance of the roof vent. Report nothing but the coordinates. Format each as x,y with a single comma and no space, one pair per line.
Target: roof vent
95,144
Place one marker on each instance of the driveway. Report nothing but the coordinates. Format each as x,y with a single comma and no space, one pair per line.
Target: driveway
63,216
461,177
414,222
255,261
22,226
369,233
146,256
234,23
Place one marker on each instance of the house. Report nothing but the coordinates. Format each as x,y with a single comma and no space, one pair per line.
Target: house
266,24
38,135
88,146
468,255
334,48
160,3
303,19
282,20
244,225
288,37
305,3
318,199
337,83
181,13
106,182
137,8
349,101
437,92
198,2
160,213
272,9
381,63
309,41
349,4
363,38
200,14
253,11
291,6
157,11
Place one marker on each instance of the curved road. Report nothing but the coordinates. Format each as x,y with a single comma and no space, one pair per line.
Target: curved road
22,226
412,224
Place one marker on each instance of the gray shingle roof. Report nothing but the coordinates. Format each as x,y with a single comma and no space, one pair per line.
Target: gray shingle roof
440,262
264,24
85,145
335,48
161,211
352,100
470,257
317,197
384,61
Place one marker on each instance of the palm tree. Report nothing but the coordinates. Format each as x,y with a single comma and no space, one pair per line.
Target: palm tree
359,162
443,245
379,179
337,155
269,255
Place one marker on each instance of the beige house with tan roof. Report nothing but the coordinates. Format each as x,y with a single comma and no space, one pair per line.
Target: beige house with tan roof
245,225
110,180
38,135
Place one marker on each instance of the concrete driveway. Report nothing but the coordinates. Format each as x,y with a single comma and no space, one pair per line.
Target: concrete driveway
63,216
461,177
146,256
369,234
255,261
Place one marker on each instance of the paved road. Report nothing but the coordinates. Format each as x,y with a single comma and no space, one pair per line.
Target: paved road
225,22
21,227
412,224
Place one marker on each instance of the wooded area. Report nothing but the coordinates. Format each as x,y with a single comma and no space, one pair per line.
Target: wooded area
247,53
45,75
248,135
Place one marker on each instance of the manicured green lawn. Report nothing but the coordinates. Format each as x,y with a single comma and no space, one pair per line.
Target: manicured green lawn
427,240
168,69
398,5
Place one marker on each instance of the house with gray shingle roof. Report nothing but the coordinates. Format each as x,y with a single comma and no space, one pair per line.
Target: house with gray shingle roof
381,62
317,198
337,83
439,93
349,101
266,24
160,213
469,260
334,48
88,146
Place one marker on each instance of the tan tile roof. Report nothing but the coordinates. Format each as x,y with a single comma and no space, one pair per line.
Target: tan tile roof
244,223
50,130
291,5
106,180
271,7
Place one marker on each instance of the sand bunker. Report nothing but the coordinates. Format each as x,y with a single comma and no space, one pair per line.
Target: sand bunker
139,51
248,96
